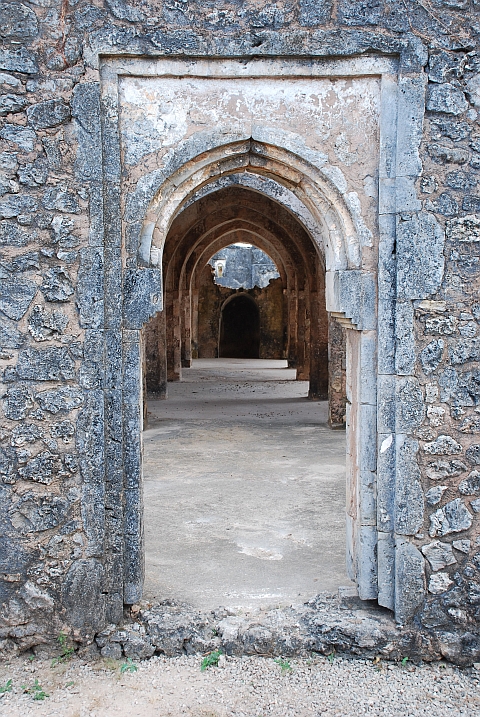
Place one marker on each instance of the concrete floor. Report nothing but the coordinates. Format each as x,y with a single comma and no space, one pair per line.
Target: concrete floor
244,489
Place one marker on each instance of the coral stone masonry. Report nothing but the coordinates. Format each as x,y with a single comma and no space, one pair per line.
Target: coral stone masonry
140,139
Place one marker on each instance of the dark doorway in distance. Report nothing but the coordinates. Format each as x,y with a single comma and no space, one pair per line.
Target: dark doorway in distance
239,328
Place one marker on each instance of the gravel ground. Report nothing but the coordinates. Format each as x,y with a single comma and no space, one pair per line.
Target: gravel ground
239,687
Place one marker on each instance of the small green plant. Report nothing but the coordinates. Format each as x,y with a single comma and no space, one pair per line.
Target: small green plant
404,661
6,688
211,660
128,666
284,664
31,658
67,650
70,683
331,657
36,690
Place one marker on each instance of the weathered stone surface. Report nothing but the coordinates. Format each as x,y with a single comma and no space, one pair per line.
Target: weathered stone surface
459,179
463,351
8,465
443,446
62,227
439,555
12,235
50,364
472,454
444,153
57,285
471,203
420,240
15,204
446,98
22,136
10,337
44,325
10,103
138,647
20,263
452,518
16,296
143,296
124,11
409,580
443,325
434,495
465,229
61,400
17,402
90,296
35,513
410,406
20,60
444,204
431,356
462,545
64,430
439,583
41,469
83,595
48,114
471,424
409,495
314,12
473,88
61,199
86,111
470,485
112,650
26,433
17,22
442,66
33,174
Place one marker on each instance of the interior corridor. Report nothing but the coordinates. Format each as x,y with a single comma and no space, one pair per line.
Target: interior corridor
244,489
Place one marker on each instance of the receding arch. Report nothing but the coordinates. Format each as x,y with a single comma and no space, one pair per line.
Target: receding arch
334,210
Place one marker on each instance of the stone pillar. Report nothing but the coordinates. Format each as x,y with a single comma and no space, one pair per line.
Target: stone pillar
337,364
318,388
186,348
173,334
302,366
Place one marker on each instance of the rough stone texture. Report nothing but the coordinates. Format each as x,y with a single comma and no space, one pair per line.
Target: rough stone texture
48,114
78,206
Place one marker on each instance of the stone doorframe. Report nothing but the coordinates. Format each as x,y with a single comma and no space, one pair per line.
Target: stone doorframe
123,260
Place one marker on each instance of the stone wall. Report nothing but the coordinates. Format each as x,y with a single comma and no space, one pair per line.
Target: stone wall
69,515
